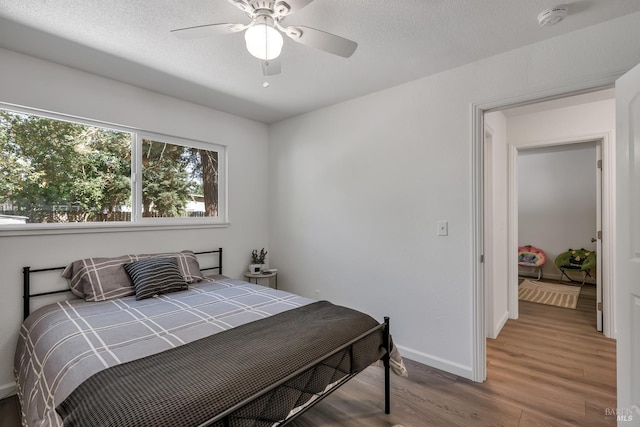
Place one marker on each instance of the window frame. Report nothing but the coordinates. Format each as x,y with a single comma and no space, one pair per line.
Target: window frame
137,221
136,181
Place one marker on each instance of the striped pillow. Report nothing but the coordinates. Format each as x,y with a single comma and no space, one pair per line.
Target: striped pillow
155,276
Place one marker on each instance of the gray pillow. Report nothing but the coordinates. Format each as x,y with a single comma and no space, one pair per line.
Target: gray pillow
155,276
187,263
100,279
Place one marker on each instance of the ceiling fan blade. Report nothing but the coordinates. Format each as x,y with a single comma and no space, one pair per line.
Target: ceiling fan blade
321,40
284,8
271,68
207,30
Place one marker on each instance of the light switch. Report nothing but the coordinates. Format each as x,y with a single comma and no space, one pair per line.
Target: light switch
443,228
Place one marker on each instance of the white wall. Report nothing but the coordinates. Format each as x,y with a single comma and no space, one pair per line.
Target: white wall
538,129
356,189
39,84
555,126
496,245
557,200
562,124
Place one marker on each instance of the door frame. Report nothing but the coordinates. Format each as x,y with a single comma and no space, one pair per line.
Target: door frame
608,221
488,238
477,110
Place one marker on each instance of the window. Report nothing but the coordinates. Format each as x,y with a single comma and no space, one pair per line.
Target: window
57,171
178,180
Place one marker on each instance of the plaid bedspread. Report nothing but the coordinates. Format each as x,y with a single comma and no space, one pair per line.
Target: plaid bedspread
189,385
63,344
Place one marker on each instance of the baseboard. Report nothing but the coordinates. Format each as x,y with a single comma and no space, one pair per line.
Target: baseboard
436,362
7,390
498,327
552,276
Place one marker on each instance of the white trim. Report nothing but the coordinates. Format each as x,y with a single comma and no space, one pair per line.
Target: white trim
65,117
500,324
608,221
137,168
136,178
512,233
223,185
478,109
479,343
436,362
488,240
605,81
137,222
609,204
108,227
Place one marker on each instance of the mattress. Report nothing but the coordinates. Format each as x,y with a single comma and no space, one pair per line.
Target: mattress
63,344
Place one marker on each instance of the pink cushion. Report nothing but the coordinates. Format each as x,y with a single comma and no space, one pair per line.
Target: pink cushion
530,256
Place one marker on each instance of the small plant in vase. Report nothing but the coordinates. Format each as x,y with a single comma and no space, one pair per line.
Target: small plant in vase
257,261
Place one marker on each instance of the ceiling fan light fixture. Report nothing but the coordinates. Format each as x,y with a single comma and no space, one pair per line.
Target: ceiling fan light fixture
263,41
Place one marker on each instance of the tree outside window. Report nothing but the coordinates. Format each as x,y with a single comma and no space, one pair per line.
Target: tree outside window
56,171
178,181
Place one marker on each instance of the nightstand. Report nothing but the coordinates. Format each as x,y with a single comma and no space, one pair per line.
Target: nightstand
258,276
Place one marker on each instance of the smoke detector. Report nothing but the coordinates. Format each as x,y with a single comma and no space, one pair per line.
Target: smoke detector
552,15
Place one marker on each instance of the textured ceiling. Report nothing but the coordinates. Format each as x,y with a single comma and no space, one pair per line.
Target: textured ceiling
399,41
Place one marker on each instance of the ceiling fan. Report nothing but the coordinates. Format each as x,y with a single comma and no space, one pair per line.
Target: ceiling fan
263,34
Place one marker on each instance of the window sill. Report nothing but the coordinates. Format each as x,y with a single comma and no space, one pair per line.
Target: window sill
90,228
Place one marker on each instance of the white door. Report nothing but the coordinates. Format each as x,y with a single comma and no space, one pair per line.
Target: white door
628,244
598,236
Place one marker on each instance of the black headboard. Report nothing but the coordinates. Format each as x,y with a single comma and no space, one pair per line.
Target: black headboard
27,271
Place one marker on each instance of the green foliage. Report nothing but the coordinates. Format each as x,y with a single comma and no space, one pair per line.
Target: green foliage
258,257
165,181
51,170
204,165
54,165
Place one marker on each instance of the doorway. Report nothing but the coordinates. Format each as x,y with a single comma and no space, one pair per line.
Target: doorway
502,223
499,298
559,204
623,226
489,313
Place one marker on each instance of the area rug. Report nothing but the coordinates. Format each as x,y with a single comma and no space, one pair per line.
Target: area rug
549,293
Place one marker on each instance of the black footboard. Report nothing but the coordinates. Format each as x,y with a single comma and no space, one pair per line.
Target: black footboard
225,419
257,373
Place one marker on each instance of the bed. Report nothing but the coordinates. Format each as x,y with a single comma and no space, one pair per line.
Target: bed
222,352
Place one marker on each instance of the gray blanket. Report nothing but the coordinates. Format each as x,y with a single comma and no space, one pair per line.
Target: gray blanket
63,344
191,384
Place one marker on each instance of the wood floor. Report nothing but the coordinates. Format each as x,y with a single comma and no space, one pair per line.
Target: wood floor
548,368
554,365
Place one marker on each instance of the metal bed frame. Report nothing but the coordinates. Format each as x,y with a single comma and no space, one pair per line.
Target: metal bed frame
226,416
27,271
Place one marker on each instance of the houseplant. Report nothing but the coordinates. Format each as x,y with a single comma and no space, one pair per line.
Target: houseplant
257,261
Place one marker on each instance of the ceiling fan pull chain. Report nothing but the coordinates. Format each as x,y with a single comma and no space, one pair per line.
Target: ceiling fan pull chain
266,39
